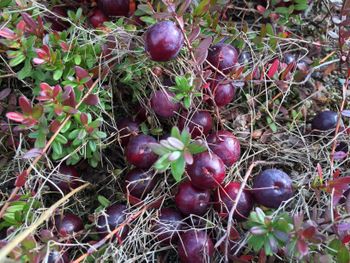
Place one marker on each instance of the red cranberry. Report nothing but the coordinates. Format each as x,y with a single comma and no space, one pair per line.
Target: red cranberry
195,247
207,171
223,92
325,120
224,199
68,224
223,56
126,129
113,217
167,226
67,179
272,187
114,7
139,183
138,153
97,18
163,103
225,145
57,23
199,123
163,41
190,200
56,256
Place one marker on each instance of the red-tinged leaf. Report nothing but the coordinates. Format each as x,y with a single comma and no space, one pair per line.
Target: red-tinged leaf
4,93
336,173
15,116
183,7
234,234
29,21
92,100
69,97
83,74
41,53
21,179
288,69
70,110
194,34
273,68
56,91
46,49
37,112
21,26
319,172
309,232
29,122
346,239
64,46
54,126
84,118
25,105
261,9
58,110
302,247
45,87
341,181
38,61
32,153
298,221
8,33
201,51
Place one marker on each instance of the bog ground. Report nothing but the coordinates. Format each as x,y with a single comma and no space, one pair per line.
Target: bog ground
174,131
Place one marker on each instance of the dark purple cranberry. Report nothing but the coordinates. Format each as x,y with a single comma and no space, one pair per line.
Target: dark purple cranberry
224,199
57,23
163,103
140,113
56,256
225,145
167,226
190,200
126,129
139,182
114,216
325,120
289,58
66,180
223,56
163,41
200,123
245,57
114,7
272,187
223,92
68,224
97,18
342,147
195,246
138,153
207,171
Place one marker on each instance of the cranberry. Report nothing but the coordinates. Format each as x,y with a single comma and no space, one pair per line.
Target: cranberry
97,18
223,56
67,179
195,246
272,187
68,224
167,226
225,145
199,123
223,92
139,182
289,58
138,153
325,120
163,41
163,103
114,7
113,217
224,199
56,256
190,200
126,129
207,171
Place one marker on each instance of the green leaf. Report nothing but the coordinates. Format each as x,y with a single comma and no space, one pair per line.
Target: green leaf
92,145
73,134
185,137
61,139
256,242
82,134
57,147
260,215
158,149
282,10
162,163
17,60
175,132
195,148
40,141
77,59
148,20
178,168
66,126
103,200
5,3
187,102
25,71
343,255
57,74
100,134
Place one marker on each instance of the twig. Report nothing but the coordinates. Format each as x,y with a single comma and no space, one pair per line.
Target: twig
47,146
44,216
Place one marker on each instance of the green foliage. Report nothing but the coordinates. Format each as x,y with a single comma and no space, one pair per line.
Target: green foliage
175,152
184,90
